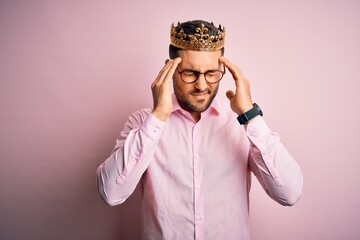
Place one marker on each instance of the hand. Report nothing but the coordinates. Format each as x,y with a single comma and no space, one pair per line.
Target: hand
161,90
240,101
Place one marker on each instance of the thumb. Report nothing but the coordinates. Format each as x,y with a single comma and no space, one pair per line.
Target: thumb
230,94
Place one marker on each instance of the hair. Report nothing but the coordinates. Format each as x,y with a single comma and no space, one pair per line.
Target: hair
190,28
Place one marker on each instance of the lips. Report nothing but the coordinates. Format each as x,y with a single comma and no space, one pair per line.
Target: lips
202,93
199,94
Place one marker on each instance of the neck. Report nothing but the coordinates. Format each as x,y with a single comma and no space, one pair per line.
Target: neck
196,116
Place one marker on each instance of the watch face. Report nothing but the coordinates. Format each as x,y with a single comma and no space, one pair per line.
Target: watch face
245,117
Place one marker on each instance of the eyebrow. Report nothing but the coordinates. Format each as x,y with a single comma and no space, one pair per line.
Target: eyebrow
193,70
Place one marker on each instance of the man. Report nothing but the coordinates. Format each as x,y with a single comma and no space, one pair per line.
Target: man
193,154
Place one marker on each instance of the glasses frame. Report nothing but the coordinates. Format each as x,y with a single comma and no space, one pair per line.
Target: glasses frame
199,73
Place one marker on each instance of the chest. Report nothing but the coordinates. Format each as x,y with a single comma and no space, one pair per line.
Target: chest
215,147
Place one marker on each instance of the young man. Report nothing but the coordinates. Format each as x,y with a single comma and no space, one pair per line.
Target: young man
191,153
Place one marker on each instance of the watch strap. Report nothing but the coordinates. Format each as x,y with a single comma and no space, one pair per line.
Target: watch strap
247,116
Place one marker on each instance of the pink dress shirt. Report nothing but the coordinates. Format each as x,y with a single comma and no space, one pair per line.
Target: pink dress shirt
195,177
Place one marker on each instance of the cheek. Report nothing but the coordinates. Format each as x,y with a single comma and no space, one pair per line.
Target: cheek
179,86
215,88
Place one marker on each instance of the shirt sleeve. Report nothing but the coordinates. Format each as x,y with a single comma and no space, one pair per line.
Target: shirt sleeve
274,167
119,174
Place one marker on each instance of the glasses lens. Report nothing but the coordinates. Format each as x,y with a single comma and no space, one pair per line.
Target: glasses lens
189,76
213,76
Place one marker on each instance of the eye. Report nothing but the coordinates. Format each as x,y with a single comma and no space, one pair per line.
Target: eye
189,73
212,73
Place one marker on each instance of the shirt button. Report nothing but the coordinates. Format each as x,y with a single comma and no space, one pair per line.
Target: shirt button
198,186
198,218
156,130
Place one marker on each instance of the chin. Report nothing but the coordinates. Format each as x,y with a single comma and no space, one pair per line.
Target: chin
201,106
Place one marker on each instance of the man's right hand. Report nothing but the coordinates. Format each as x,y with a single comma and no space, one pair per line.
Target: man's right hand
161,91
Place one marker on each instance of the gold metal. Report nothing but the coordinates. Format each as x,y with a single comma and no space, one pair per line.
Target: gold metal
200,41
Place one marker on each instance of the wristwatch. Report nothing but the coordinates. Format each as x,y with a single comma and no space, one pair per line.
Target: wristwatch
245,117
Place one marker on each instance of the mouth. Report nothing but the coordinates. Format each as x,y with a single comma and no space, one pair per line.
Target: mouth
199,94
200,97
203,93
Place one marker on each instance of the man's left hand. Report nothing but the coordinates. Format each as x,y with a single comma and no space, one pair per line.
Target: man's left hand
240,101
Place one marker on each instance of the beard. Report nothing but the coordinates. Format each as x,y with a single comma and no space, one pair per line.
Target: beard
190,104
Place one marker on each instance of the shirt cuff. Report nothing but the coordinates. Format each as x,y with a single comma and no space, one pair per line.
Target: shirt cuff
257,128
153,127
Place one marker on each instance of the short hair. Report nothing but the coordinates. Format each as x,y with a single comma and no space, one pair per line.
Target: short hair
190,28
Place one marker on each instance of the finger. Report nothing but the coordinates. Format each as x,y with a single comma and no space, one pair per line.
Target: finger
230,94
169,65
234,69
231,66
172,69
162,74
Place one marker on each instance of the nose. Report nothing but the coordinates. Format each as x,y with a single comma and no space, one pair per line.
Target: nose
201,83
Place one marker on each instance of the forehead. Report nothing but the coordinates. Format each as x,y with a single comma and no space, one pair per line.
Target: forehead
199,60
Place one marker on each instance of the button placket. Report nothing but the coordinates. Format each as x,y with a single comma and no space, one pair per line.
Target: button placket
197,181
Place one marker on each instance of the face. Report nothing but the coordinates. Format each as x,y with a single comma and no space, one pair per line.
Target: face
196,97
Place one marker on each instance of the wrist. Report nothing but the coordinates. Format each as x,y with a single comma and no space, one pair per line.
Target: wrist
160,115
249,115
245,109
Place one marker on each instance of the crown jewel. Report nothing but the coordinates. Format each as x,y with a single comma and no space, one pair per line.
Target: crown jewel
199,41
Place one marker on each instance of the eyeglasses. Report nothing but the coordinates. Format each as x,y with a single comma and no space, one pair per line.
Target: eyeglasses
211,76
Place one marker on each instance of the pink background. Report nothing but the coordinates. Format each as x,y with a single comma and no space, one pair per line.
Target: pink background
72,71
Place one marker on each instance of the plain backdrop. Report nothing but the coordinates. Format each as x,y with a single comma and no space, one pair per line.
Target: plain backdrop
72,71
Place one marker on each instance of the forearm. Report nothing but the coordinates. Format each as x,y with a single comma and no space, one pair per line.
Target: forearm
118,176
275,168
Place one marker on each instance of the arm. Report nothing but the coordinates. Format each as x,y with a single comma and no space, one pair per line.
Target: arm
274,167
118,176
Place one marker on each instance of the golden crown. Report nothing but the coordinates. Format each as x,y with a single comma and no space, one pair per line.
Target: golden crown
200,41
